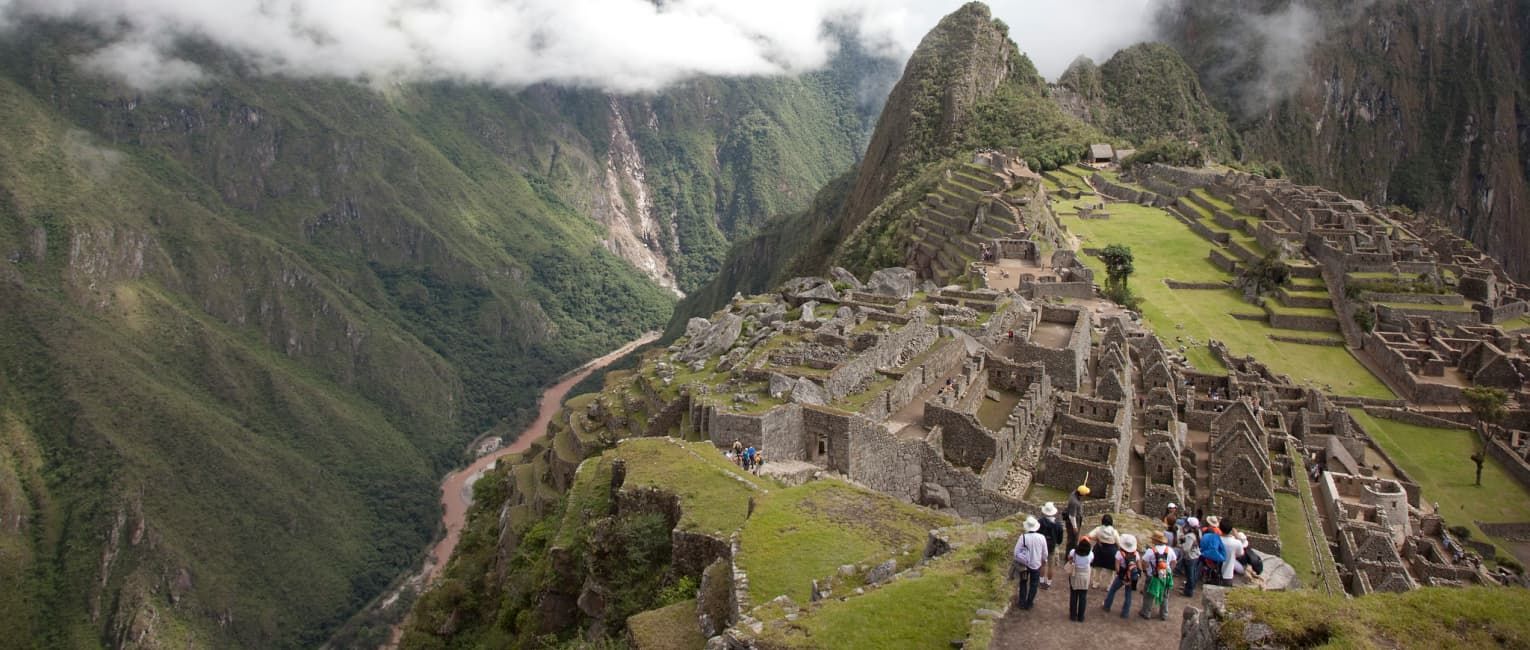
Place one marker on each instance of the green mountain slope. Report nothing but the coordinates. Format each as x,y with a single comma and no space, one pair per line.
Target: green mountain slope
244,327
966,87
1142,93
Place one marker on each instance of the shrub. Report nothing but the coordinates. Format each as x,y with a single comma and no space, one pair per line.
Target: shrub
1166,152
1460,532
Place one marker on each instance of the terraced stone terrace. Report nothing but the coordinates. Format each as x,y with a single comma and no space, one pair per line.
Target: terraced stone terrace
1165,248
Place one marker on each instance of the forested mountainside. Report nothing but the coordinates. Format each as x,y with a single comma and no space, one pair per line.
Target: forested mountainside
1423,104
246,325
1142,93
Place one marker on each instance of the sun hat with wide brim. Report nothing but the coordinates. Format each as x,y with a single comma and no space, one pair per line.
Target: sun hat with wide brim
1129,543
1214,521
1031,525
1049,508
1159,537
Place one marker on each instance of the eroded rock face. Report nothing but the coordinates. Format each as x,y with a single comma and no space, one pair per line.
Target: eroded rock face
715,339
882,572
897,282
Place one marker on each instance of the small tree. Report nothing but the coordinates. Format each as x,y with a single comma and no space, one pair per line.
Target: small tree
1118,264
1267,274
1487,403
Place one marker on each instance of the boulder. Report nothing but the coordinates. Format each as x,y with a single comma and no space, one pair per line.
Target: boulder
934,495
696,326
807,391
733,359
715,339
882,572
1278,575
897,282
821,293
846,278
780,385
807,311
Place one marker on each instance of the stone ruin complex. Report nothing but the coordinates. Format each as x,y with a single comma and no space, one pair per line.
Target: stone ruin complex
990,401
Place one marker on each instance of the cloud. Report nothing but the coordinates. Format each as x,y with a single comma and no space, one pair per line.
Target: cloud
619,45
1262,53
142,66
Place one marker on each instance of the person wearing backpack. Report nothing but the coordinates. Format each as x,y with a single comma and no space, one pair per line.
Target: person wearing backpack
1030,554
1128,569
1190,553
1158,562
1213,554
1105,539
1052,529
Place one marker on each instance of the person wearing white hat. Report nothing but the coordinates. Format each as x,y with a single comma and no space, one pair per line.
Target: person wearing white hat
1105,540
1052,529
1128,569
1030,554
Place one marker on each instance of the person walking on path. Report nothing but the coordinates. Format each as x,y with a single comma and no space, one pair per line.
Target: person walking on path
1171,517
1212,552
1030,554
1052,529
1104,537
1073,516
1079,561
1128,570
759,461
1158,562
1190,553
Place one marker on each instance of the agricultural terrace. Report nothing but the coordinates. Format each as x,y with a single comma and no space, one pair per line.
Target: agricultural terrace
1167,249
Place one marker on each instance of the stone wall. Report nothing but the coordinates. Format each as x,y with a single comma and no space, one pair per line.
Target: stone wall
964,441
851,375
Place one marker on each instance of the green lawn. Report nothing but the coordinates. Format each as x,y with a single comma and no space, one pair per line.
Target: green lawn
1433,617
714,492
1523,322
1295,545
1166,248
806,532
1439,459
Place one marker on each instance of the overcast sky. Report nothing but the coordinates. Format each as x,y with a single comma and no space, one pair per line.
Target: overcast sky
620,45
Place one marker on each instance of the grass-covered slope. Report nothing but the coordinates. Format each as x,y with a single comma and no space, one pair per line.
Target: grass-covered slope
1432,617
248,324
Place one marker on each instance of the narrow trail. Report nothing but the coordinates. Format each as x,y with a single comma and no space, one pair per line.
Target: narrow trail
1047,625
456,488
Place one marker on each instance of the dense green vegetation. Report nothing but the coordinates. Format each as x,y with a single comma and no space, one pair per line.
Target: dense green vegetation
248,325
492,601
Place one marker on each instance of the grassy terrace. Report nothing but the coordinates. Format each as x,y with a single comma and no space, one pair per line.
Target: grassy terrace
927,611
1165,248
1439,459
1523,322
1427,306
1435,617
806,532
714,493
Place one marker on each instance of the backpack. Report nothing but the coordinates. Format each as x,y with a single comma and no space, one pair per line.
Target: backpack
1161,561
1126,565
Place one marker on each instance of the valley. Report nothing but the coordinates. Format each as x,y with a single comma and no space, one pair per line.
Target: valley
445,340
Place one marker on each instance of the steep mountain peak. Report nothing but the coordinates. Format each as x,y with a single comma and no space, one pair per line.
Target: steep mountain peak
964,59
